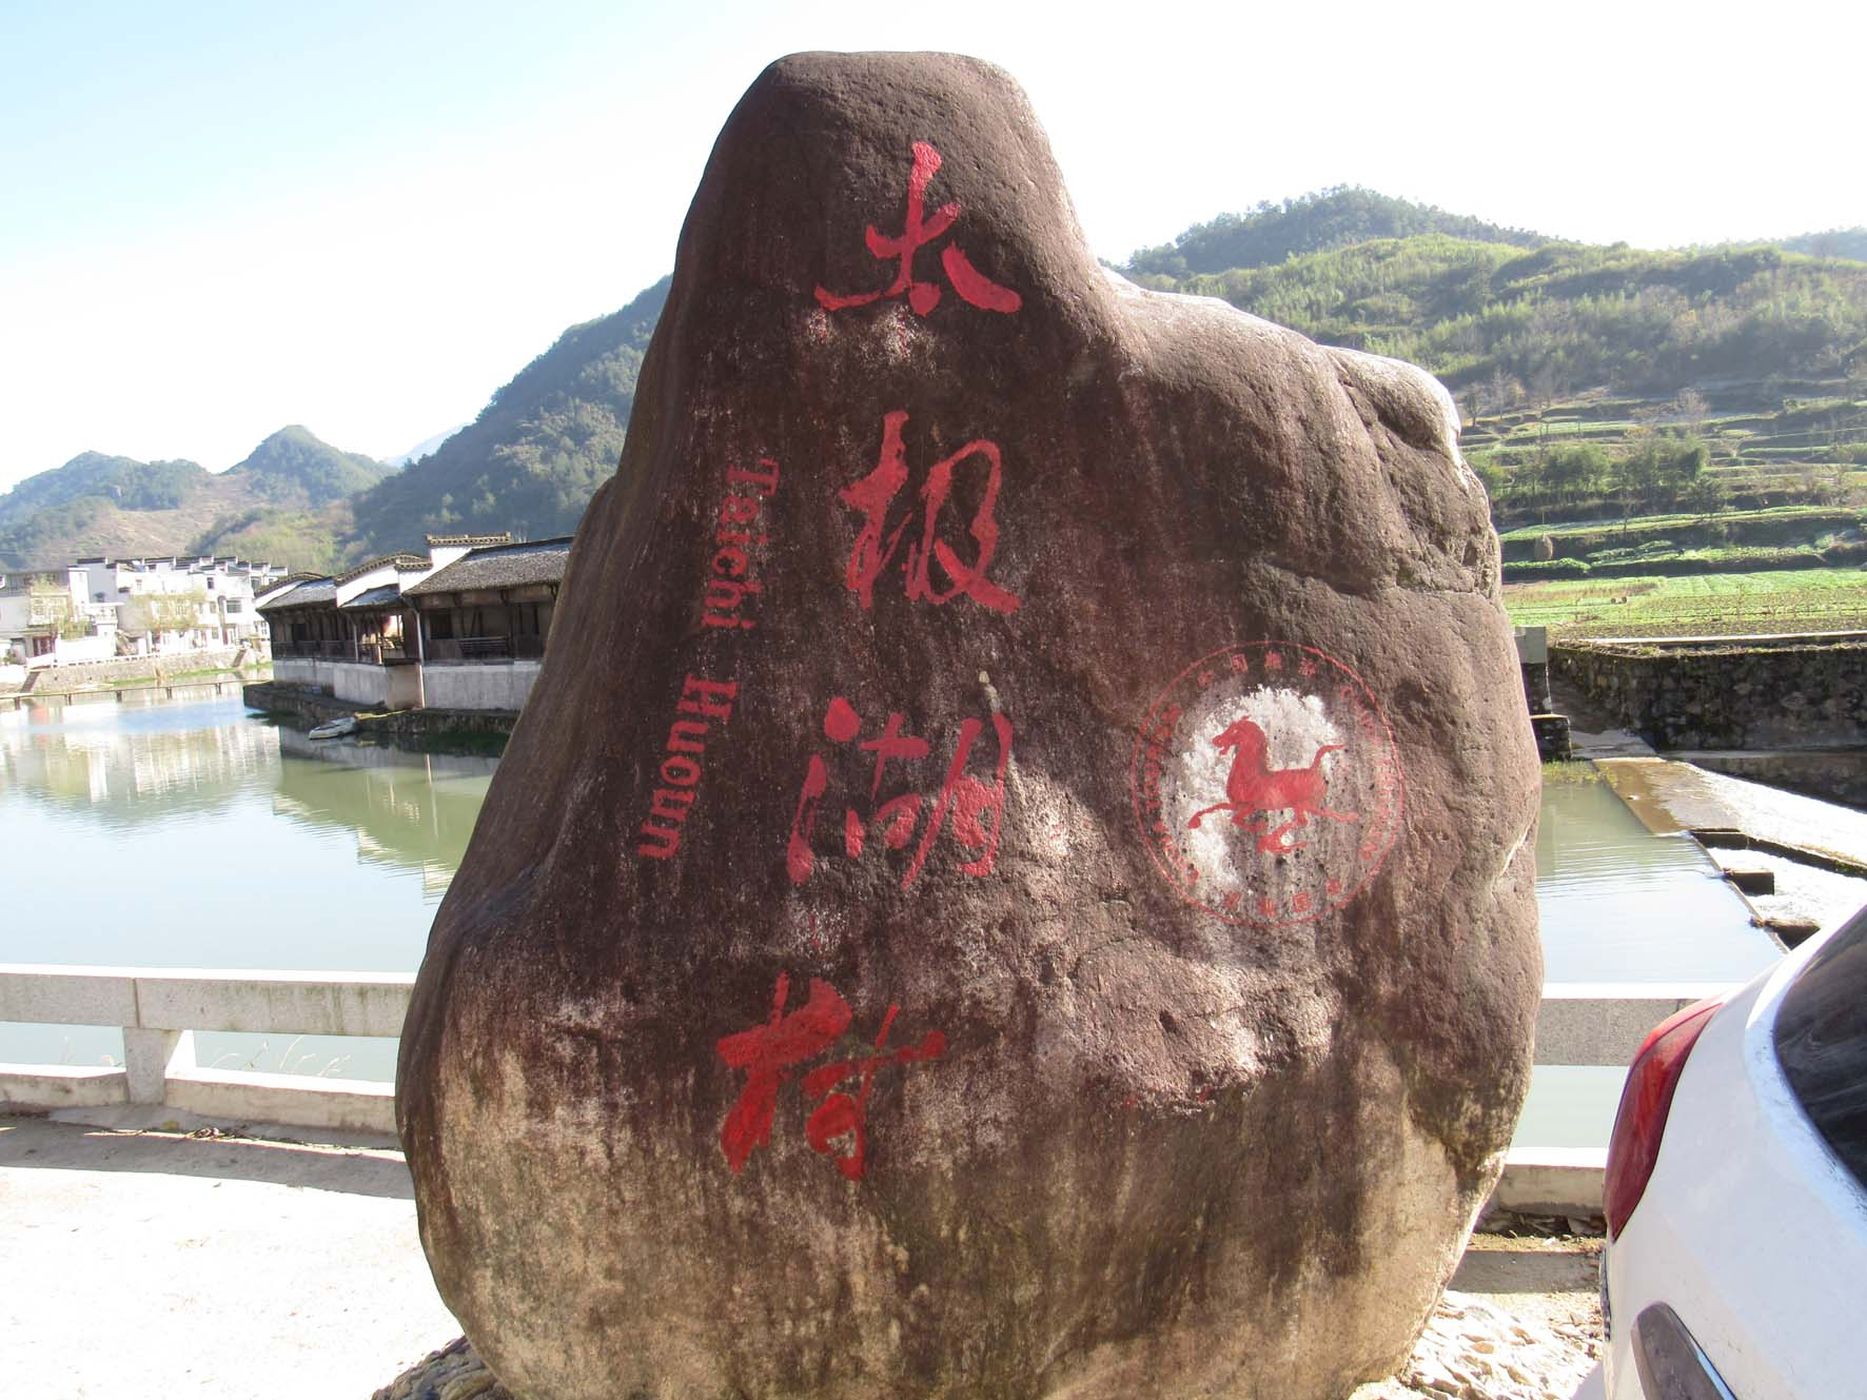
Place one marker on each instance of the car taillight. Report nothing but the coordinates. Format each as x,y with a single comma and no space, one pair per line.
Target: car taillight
1646,1099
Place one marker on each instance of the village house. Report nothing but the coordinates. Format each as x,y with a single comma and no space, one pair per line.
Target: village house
180,603
463,628
46,619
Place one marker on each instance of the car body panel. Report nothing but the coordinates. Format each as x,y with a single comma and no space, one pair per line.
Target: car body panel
1749,1227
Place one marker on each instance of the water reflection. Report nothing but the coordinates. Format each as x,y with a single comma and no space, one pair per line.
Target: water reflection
197,835
124,764
410,811
114,766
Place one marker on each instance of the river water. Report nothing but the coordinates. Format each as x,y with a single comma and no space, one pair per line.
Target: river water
193,834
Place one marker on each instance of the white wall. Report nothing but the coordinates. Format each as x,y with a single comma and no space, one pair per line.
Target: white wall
479,687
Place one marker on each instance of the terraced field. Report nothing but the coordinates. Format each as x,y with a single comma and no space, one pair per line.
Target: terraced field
1801,600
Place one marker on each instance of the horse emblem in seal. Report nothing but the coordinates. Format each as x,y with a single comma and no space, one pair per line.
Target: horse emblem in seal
1267,784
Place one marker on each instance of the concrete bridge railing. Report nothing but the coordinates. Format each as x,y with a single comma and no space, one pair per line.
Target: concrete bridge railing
160,1009
1581,1023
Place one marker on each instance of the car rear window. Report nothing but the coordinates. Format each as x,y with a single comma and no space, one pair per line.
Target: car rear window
1821,1042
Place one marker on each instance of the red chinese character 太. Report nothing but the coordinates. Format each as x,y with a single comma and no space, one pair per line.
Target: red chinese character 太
769,1054
876,545
970,807
973,286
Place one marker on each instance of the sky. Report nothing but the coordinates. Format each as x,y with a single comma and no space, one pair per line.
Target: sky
217,219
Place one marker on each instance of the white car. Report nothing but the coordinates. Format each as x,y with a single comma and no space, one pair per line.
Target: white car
1736,1193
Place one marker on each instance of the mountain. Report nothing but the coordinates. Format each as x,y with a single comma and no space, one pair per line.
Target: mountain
1332,218
1835,243
1562,318
423,448
536,454
1503,316
294,467
287,500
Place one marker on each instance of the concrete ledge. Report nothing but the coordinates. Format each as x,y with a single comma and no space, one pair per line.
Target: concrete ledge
1552,1181
67,996
282,1003
49,1087
279,1003
1603,1023
348,1105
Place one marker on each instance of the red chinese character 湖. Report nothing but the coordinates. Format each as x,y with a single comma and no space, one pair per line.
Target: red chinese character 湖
973,808
769,1055
973,286
876,545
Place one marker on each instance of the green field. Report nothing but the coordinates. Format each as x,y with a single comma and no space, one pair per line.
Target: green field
1802,600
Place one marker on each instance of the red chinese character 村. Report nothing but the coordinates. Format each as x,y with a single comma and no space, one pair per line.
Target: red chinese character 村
973,809
876,545
770,1053
973,286
844,1115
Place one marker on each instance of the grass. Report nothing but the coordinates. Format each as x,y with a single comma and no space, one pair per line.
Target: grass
1803,600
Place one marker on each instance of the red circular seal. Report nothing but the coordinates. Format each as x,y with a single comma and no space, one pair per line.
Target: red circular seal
1267,784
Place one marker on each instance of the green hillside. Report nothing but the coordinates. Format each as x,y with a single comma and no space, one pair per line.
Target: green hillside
294,467
1499,323
122,481
536,454
1314,223
286,501
1596,384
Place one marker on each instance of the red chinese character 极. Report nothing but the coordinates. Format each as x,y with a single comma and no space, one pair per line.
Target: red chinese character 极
876,545
918,230
972,809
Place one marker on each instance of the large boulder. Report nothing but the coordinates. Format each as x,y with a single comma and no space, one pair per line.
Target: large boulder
1015,878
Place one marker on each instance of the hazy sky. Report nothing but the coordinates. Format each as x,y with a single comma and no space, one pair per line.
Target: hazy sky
217,219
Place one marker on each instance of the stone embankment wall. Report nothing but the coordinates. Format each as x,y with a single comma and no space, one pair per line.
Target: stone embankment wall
138,670
314,706
1784,693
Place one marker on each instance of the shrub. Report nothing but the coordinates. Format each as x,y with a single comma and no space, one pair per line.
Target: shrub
1528,571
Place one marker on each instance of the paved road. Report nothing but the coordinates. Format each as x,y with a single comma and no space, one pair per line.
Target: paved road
153,1265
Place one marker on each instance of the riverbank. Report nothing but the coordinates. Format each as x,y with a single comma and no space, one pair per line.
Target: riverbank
423,730
155,675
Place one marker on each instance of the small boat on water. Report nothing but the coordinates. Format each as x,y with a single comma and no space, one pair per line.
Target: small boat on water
335,728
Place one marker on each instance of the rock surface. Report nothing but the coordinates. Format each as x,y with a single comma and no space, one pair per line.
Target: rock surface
1013,880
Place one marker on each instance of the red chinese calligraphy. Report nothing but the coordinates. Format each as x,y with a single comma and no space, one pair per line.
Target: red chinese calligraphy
843,1115
972,808
769,1055
918,230
876,545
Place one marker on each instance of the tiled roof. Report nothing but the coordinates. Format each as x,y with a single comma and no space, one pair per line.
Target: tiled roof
472,541
503,566
402,559
314,592
385,595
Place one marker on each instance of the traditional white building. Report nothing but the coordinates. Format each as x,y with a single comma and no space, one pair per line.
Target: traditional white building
181,603
46,618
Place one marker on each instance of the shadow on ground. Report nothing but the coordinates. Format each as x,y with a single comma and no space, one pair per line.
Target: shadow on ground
29,1142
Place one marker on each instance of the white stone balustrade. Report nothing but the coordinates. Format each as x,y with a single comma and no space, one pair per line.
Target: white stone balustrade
1581,1023
160,1009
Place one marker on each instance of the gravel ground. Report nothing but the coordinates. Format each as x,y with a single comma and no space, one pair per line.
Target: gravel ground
1520,1322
